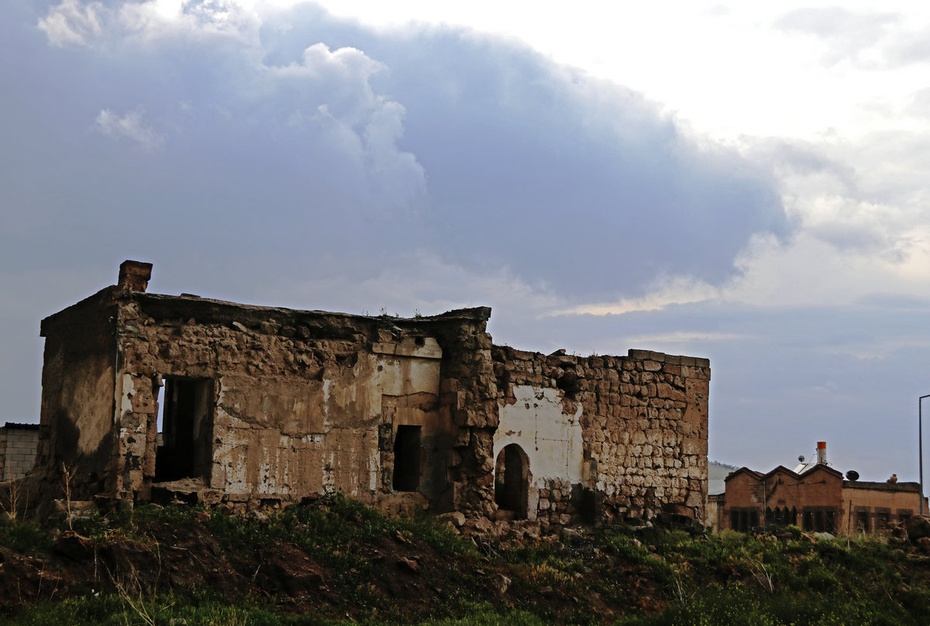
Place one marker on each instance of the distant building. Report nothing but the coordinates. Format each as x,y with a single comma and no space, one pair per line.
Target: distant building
18,444
815,497
716,484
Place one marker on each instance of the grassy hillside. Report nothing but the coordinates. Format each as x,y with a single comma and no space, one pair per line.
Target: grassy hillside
335,561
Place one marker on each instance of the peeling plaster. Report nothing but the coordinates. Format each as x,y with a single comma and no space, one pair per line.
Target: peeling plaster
551,438
128,391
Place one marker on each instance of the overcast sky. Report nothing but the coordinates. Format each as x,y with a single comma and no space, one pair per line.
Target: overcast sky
732,181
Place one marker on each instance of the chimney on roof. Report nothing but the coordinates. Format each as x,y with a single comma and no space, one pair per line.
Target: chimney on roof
821,453
134,275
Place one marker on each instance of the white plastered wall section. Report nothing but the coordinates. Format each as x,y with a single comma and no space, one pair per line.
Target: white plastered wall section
550,438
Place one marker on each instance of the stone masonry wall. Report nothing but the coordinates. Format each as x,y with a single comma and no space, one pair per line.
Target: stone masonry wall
468,402
280,405
647,441
644,430
559,502
17,450
78,382
307,402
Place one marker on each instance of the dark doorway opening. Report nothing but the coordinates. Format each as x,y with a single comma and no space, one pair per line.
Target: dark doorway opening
744,520
185,430
406,459
820,519
512,480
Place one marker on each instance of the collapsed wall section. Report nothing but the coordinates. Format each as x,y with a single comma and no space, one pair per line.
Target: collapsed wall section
295,403
468,404
76,434
642,421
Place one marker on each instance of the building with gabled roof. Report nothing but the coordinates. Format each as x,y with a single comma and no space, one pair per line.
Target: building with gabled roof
815,497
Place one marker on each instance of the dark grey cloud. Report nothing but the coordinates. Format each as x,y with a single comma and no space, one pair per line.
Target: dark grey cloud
528,162
476,145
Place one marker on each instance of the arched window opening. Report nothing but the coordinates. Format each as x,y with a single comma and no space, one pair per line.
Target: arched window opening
512,480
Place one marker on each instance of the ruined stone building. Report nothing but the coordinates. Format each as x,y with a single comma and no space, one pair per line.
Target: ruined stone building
815,497
146,396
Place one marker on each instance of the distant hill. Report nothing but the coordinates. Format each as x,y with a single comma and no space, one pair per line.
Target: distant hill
716,475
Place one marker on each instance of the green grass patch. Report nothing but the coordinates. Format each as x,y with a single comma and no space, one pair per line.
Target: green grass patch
24,537
622,575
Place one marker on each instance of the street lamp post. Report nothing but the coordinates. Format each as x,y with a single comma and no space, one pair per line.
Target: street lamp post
920,446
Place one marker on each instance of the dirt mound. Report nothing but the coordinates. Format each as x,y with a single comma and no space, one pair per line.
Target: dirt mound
177,558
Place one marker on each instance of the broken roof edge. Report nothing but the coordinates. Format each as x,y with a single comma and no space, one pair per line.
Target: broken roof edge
104,297
133,276
20,426
133,280
156,300
562,357
670,359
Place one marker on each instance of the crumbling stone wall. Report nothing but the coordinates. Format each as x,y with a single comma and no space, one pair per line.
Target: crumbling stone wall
305,402
18,443
468,402
293,403
265,405
648,439
76,434
643,422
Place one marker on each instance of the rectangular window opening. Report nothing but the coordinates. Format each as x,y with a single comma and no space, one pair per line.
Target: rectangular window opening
882,519
406,459
862,520
185,430
744,520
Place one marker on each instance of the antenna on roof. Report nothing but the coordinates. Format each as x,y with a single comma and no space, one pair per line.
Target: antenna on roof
801,458
852,476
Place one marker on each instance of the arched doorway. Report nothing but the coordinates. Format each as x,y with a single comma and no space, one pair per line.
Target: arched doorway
512,480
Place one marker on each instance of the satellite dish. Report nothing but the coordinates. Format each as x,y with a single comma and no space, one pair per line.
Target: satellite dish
801,459
852,475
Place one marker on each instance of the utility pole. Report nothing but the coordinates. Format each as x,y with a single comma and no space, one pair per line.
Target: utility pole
920,446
